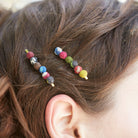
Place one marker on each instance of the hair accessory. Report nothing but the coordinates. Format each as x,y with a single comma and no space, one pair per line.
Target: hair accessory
74,64
42,69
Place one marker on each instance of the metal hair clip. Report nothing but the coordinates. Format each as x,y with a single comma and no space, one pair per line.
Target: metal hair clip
42,69
74,64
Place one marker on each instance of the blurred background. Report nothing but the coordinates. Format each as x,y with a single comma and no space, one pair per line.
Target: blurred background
15,4
18,4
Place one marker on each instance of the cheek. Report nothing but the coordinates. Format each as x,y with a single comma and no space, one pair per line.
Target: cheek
124,116
123,120
127,122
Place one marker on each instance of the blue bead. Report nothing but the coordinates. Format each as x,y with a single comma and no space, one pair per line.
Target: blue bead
58,50
42,69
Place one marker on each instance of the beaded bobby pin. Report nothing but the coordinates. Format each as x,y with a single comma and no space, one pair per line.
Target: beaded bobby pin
74,64
42,69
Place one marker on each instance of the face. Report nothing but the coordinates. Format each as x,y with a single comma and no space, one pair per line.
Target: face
124,116
122,120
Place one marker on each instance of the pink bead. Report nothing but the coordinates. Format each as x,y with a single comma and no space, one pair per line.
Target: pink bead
63,55
30,55
77,69
45,75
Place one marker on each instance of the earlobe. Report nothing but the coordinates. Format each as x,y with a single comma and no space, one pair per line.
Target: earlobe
59,117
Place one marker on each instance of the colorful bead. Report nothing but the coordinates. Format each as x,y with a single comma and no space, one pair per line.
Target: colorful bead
69,59
83,74
77,69
63,55
45,75
30,55
33,60
37,65
42,69
74,64
58,50
50,80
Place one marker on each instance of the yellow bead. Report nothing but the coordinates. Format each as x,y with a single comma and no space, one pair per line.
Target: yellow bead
83,74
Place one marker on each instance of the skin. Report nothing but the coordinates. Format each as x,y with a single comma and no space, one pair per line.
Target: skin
64,116
121,121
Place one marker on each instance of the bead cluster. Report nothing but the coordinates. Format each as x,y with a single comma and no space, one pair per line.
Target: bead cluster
74,64
42,69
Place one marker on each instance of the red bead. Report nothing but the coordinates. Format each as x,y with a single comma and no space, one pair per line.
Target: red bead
45,75
30,55
77,69
63,55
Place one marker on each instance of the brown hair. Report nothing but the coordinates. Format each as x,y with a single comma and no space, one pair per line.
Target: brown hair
100,35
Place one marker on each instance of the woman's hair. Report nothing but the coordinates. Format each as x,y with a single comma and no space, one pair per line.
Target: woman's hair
100,34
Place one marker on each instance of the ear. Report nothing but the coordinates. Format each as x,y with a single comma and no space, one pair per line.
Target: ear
62,117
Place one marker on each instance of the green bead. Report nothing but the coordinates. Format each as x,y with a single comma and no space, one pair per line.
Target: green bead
69,59
71,65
